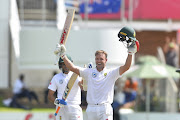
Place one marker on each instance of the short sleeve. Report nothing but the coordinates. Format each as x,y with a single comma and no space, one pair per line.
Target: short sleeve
52,85
115,73
83,72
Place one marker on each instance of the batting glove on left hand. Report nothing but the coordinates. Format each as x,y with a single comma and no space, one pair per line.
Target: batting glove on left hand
57,49
60,50
60,102
133,48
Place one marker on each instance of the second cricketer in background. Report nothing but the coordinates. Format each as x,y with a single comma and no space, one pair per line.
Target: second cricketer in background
70,109
100,80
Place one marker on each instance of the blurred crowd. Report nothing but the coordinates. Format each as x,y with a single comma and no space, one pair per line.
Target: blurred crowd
171,49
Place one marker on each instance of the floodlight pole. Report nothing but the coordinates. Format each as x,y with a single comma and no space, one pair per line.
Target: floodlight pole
147,98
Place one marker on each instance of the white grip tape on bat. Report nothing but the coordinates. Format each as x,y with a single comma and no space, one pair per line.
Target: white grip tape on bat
90,65
84,85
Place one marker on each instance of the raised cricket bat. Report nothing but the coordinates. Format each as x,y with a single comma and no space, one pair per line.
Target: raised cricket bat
68,89
66,28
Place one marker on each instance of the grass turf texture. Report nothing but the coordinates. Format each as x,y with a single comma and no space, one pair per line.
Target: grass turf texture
6,109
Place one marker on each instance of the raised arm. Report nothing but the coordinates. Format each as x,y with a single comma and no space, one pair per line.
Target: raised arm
128,35
60,52
132,49
126,66
70,65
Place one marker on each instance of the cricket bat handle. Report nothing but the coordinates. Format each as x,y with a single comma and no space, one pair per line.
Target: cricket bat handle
57,111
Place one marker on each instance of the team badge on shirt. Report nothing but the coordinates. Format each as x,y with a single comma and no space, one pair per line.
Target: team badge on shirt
94,74
60,81
105,74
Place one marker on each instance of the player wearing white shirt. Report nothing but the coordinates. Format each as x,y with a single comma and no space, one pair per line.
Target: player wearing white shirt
100,80
100,92
97,81
71,111
18,86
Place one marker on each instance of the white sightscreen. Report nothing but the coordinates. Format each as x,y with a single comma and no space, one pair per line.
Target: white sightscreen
37,46
4,50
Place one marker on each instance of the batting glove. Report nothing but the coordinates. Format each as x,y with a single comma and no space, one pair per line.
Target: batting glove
60,50
63,50
60,102
57,49
133,48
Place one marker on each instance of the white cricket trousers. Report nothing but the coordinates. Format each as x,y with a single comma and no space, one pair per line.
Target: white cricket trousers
70,112
99,112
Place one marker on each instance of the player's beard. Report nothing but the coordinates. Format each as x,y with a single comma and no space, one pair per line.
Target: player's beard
99,67
65,70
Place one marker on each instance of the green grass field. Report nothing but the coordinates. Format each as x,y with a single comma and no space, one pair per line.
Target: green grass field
6,109
35,109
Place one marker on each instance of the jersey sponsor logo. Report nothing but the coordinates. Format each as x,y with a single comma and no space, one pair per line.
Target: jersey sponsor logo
94,74
61,81
63,35
78,117
105,74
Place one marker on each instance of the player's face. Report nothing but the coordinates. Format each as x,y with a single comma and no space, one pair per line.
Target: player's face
100,60
65,70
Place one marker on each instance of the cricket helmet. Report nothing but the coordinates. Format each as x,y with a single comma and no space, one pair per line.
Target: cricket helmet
127,34
61,60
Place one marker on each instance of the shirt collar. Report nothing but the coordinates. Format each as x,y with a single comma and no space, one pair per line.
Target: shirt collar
103,71
64,74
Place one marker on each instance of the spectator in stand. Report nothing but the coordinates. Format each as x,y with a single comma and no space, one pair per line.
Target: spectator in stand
119,99
171,52
130,91
124,97
20,91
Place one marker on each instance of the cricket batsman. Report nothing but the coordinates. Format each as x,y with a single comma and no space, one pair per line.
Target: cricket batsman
70,108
